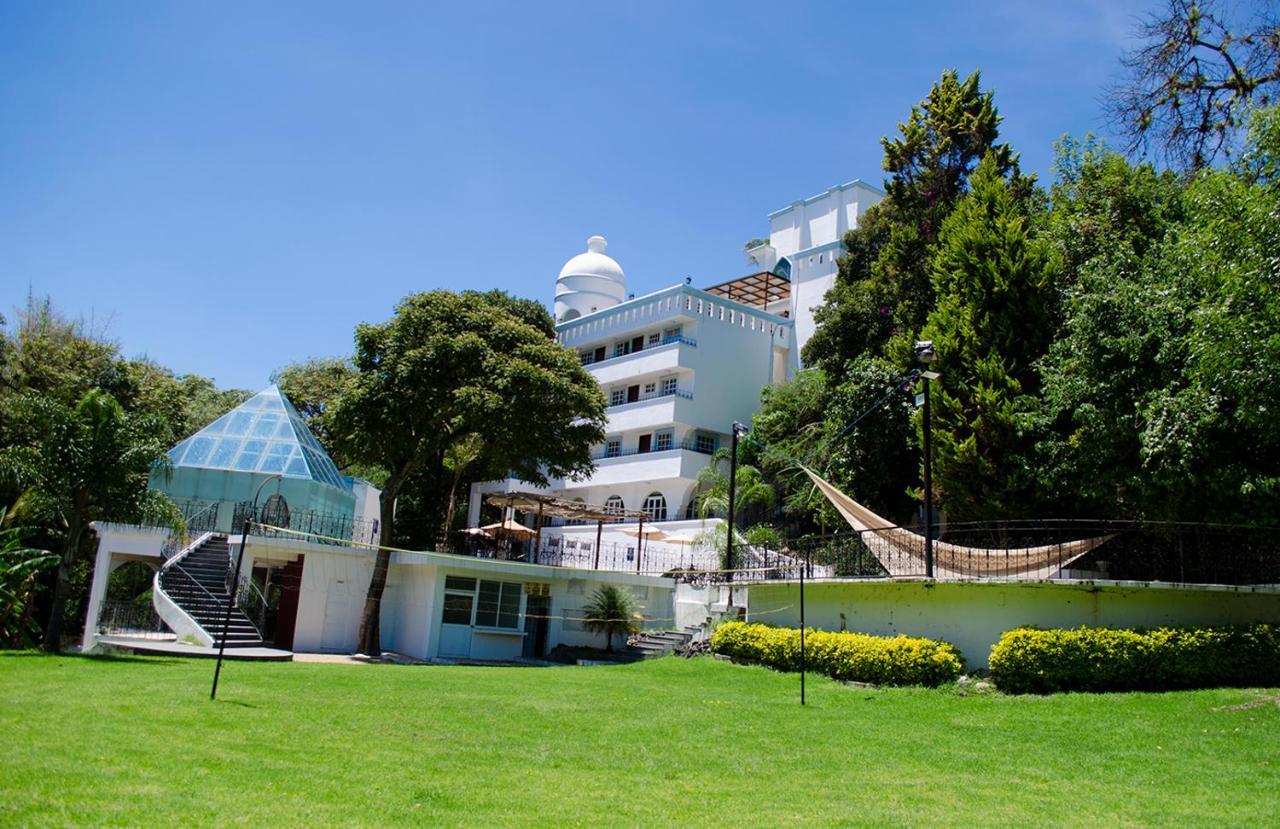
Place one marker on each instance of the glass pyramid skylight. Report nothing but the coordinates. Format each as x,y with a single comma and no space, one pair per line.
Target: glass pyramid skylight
263,434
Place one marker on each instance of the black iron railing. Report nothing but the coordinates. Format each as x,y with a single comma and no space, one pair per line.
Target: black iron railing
307,525
131,618
1013,551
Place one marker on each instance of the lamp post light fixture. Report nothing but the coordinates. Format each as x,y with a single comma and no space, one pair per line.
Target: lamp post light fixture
738,430
235,579
926,354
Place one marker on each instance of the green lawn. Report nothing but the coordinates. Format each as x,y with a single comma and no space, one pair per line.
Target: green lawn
137,741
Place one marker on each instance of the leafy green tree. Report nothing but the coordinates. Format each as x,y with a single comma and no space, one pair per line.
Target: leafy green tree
857,433
20,567
884,283
611,612
312,386
1191,81
82,463
451,365
995,283
1156,395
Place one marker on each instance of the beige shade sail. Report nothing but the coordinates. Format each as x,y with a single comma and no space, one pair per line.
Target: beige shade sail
902,551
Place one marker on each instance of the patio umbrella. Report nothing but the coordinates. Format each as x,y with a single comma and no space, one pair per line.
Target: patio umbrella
510,528
650,533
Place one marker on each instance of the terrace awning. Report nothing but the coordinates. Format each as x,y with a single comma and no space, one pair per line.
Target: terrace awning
549,505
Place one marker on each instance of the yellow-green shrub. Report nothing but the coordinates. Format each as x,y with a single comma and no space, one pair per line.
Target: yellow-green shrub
1028,660
884,660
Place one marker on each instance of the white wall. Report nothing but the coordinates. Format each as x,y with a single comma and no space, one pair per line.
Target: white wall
331,599
973,615
810,234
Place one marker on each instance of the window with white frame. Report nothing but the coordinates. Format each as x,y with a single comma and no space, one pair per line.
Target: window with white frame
617,397
662,440
669,385
654,339
613,447
672,333
650,388
613,504
704,443
622,348
655,506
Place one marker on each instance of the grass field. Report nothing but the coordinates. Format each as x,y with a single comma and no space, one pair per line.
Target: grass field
136,741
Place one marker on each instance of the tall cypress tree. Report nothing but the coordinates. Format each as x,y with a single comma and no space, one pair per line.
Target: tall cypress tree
994,282
884,285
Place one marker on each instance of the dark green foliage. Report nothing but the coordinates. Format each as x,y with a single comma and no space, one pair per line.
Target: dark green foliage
612,612
884,283
994,283
808,420
856,657
20,567
1027,660
80,464
1158,396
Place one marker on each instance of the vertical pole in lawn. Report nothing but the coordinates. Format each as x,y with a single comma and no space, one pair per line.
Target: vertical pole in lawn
231,600
802,569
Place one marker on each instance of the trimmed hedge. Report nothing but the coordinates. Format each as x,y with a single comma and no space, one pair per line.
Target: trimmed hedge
1028,660
883,660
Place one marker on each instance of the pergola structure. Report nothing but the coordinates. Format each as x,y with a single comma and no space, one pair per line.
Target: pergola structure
759,289
543,506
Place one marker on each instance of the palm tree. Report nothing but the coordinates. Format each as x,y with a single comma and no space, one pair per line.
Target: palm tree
610,611
461,453
713,486
79,464
19,568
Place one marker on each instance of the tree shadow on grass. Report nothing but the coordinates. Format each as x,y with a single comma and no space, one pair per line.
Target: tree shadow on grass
133,659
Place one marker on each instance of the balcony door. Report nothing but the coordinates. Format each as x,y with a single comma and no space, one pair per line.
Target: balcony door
646,444
633,394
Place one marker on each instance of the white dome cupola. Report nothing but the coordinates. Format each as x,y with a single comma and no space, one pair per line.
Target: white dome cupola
589,282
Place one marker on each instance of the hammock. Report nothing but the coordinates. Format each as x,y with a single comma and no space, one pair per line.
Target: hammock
901,552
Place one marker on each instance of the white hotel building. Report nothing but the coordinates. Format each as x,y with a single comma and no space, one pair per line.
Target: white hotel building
680,365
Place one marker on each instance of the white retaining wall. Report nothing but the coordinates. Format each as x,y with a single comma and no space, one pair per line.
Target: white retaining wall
973,615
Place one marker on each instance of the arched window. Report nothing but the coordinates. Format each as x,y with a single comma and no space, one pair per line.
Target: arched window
614,505
655,506
783,268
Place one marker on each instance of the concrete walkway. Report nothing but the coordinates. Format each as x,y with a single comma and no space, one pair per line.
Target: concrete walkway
172,648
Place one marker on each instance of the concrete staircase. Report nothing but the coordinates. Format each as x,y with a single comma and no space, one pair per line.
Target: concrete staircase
197,583
659,642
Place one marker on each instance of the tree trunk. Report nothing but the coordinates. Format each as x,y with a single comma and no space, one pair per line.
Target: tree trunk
453,505
369,642
53,631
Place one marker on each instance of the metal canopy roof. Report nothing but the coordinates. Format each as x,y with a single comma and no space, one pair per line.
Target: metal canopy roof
560,507
758,289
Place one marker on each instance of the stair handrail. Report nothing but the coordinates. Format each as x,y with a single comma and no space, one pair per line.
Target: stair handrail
172,613
252,603
246,596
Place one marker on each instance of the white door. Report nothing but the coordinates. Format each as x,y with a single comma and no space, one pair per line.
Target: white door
337,635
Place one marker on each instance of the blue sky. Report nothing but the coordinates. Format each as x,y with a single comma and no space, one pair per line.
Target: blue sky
230,187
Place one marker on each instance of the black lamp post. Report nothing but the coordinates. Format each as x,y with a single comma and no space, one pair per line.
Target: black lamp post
738,429
926,354
235,580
